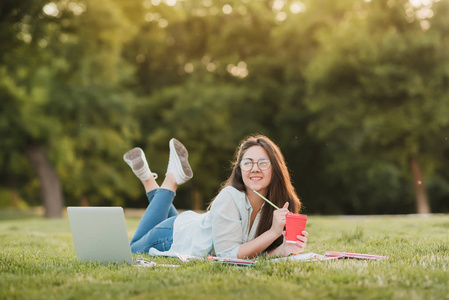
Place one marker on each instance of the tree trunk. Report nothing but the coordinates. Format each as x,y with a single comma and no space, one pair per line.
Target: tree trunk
14,193
49,181
197,199
84,201
422,202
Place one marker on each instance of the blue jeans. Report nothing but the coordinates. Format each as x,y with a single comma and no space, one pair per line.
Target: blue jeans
155,229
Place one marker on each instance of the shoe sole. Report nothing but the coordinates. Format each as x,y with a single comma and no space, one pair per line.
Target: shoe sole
182,157
131,155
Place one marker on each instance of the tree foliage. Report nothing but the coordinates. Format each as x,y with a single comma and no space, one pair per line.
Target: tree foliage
379,89
352,91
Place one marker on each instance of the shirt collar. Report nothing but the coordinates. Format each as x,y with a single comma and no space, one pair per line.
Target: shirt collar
247,203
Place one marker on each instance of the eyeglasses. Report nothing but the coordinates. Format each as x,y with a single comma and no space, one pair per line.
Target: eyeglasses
247,164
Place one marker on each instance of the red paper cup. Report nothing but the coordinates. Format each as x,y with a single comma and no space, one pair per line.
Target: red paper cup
295,225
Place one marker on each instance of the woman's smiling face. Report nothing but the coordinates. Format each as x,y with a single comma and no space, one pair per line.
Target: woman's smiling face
256,179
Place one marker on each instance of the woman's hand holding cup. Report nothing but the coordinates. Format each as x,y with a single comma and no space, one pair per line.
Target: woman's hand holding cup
279,219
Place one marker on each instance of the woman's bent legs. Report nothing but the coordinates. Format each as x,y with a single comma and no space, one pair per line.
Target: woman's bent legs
155,229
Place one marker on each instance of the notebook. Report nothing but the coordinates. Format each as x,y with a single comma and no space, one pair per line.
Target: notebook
99,234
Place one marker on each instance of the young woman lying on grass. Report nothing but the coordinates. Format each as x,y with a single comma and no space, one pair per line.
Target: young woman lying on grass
238,223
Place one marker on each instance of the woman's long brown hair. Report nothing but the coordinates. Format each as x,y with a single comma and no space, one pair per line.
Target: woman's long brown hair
280,189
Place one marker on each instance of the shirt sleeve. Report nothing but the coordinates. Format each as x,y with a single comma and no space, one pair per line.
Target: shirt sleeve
227,226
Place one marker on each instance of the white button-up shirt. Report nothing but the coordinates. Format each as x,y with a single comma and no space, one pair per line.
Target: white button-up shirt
220,231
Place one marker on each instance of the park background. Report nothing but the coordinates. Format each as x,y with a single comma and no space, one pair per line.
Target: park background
356,94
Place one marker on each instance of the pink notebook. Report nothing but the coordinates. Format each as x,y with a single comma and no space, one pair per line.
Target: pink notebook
353,255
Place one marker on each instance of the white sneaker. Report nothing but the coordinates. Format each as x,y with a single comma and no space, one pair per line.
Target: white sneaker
135,158
178,163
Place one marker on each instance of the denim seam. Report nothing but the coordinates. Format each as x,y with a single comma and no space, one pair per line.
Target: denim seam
164,227
154,191
163,242
151,192
166,190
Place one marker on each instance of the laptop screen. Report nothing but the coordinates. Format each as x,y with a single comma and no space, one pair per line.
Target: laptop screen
99,234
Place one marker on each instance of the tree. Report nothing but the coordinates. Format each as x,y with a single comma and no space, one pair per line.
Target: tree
379,87
64,90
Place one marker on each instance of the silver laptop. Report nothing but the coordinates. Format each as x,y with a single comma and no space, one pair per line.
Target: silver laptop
99,234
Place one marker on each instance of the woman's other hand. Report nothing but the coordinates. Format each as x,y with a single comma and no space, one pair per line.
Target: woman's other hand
296,247
289,248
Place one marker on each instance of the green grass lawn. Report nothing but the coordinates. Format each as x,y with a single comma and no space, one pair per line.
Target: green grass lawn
38,261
